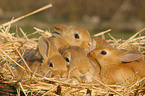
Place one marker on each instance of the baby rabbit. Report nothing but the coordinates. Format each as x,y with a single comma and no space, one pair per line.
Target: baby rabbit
80,66
117,66
74,36
47,48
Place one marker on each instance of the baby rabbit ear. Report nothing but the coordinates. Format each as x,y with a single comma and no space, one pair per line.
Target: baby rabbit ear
58,29
60,26
56,32
43,46
130,56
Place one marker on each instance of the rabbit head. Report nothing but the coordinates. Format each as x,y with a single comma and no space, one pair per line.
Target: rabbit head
116,65
57,67
80,66
48,48
108,55
74,36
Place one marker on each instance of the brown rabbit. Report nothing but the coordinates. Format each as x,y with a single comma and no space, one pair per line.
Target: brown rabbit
80,66
47,48
74,36
117,66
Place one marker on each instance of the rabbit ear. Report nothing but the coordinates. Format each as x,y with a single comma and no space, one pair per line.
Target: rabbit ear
130,56
58,29
56,32
43,46
60,26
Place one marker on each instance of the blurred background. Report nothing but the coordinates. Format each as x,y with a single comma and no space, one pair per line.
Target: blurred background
124,17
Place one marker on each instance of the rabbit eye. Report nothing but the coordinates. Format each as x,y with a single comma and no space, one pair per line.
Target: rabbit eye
103,52
67,60
50,64
76,36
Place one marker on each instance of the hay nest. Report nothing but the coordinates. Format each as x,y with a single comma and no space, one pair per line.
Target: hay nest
13,47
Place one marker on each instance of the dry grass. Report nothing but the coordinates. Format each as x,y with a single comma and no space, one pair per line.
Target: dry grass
13,47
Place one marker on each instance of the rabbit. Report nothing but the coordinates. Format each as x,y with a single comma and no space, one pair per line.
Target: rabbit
118,65
47,48
80,66
74,36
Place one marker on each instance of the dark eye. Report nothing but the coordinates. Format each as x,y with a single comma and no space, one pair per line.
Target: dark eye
67,60
103,52
76,36
50,64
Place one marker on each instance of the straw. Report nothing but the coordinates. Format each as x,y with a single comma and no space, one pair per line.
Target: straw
101,33
24,16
